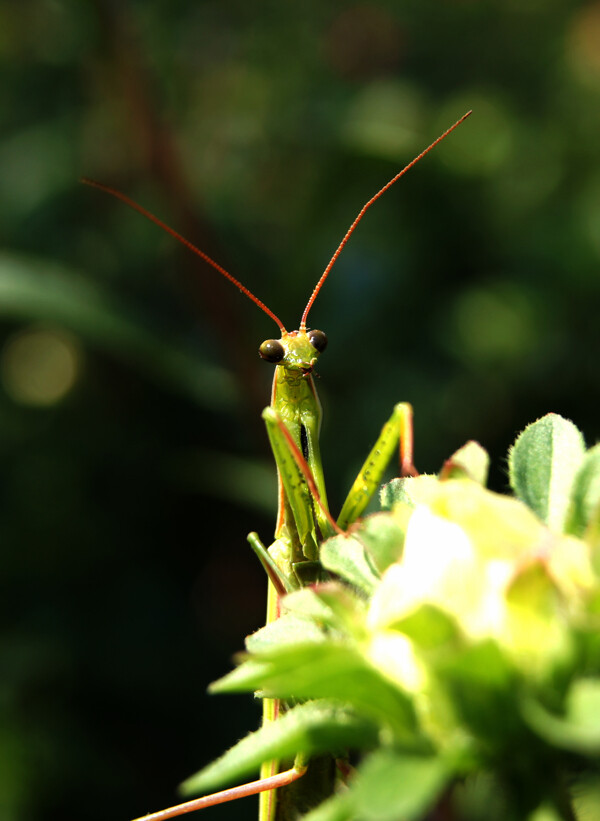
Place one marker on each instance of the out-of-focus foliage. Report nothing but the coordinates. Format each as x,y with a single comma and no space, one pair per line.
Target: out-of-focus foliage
132,458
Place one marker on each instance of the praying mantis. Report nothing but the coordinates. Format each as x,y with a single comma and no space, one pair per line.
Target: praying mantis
293,421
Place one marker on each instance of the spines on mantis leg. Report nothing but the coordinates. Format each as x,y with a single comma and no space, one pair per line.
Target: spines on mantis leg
398,428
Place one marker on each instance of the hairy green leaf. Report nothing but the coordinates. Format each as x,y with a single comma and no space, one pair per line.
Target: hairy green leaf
471,461
330,606
286,630
543,463
408,490
586,492
383,538
346,556
326,670
309,729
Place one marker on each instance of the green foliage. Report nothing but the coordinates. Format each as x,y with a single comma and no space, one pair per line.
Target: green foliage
348,558
455,640
311,728
543,464
375,795
585,501
471,461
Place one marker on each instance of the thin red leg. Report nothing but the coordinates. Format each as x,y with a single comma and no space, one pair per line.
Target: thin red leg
252,788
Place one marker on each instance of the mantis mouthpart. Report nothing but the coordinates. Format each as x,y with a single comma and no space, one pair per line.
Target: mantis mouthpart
293,421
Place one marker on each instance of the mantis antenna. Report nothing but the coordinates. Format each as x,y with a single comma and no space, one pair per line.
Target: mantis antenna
149,215
363,211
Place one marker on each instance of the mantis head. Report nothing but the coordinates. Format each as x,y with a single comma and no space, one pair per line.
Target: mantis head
296,350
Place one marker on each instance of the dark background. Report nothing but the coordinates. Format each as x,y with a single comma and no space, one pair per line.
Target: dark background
132,458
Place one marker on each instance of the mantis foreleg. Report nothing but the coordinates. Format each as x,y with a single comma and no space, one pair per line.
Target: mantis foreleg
398,429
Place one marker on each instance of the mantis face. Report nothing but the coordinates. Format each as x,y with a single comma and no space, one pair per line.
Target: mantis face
295,351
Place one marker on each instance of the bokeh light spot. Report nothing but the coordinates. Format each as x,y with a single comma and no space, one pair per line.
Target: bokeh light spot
533,174
385,120
40,366
494,325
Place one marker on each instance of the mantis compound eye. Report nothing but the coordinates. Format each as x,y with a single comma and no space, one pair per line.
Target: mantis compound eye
272,351
318,340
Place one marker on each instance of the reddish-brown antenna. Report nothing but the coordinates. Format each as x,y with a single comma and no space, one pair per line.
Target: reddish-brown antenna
149,215
361,214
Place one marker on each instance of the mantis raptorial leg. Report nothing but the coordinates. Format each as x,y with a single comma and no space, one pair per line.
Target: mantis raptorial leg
293,421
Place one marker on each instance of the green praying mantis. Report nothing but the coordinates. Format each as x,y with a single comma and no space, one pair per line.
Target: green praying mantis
293,421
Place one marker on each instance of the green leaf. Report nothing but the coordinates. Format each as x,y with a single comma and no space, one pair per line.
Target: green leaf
286,630
481,684
391,785
579,730
329,605
481,795
585,792
308,604
346,556
408,490
309,729
543,463
545,812
428,626
328,670
586,492
348,609
339,807
383,538
533,630
470,462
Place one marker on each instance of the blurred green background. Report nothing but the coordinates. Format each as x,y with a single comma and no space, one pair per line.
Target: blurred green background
133,461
